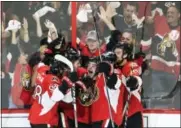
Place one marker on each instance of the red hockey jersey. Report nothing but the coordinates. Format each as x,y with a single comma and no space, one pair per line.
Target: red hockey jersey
133,69
21,77
44,110
97,111
82,111
26,95
165,47
119,97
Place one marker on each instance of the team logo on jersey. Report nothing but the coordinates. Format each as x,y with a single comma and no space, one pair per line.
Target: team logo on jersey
52,87
168,42
89,97
135,69
25,79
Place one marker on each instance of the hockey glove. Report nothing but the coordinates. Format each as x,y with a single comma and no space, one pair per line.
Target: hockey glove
68,82
84,83
132,83
79,85
65,85
73,77
111,81
104,67
59,92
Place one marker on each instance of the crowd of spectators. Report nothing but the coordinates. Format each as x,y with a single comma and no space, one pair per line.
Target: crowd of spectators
152,27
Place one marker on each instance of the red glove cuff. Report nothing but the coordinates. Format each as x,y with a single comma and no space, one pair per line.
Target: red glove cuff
69,82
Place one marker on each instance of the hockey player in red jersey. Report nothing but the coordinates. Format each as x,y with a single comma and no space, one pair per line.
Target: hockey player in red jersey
92,105
84,98
39,63
131,69
44,108
65,106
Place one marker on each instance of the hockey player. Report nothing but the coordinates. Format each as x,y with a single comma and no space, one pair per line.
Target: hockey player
92,105
44,108
132,70
84,98
65,106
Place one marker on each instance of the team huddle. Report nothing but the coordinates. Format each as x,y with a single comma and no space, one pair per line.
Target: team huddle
104,93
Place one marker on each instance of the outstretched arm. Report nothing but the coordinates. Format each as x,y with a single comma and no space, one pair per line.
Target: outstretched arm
25,29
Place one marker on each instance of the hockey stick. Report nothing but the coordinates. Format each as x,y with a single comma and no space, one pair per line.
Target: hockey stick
74,105
108,97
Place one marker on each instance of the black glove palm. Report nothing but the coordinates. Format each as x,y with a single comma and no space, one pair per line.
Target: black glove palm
104,67
64,87
73,77
132,83
111,81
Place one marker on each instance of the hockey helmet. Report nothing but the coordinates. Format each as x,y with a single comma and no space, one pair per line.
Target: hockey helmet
60,64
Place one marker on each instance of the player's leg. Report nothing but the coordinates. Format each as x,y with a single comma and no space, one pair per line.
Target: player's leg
135,121
39,126
103,124
71,124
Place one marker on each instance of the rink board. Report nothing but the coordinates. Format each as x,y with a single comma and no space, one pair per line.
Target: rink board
152,118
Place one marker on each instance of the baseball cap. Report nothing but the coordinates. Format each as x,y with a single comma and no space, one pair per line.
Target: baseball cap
13,24
92,35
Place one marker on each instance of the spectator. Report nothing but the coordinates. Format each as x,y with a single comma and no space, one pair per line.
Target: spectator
130,38
129,20
127,37
165,5
165,49
21,76
59,17
5,86
91,47
19,40
117,37
85,21
4,45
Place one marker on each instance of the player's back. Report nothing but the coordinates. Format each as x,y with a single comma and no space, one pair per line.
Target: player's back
44,110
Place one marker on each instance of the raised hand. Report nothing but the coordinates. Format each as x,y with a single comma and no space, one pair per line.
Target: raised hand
102,15
49,24
137,21
110,11
82,14
52,33
25,23
2,27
